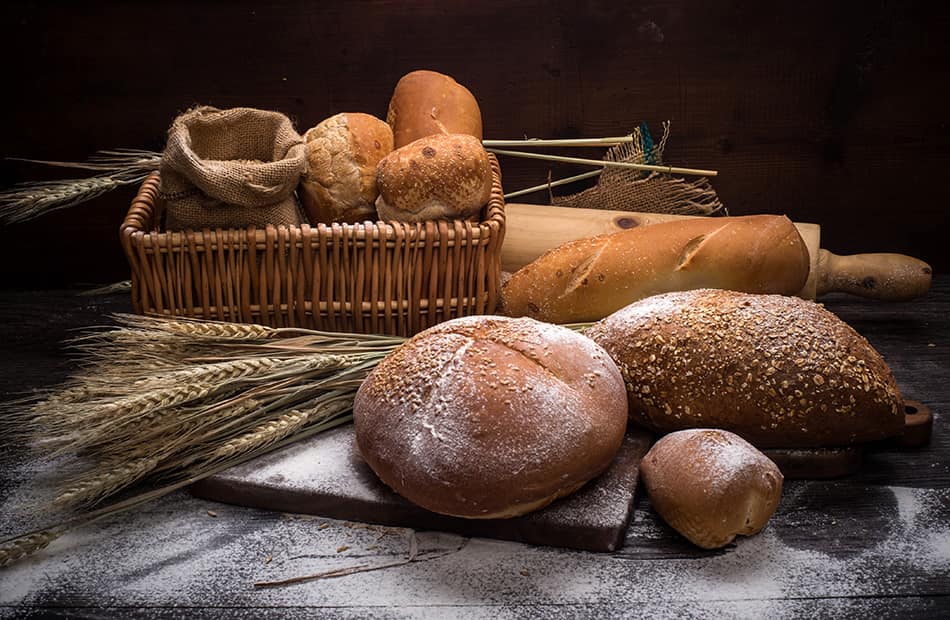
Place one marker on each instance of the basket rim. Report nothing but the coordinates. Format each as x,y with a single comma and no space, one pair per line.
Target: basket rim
142,210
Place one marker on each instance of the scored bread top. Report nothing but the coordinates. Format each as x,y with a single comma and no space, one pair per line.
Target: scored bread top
489,416
587,279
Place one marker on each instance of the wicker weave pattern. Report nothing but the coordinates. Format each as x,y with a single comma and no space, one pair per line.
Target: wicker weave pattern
387,278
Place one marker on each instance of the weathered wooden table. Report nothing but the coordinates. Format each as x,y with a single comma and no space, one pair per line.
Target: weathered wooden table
874,544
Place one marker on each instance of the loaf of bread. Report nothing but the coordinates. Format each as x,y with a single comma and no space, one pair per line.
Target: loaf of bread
342,154
426,103
587,279
490,417
780,371
711,485
437,177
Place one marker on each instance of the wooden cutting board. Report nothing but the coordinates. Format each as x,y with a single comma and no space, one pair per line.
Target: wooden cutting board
531,230
825,463
325,476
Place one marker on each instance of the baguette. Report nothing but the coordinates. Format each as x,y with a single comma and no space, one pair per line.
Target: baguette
779,371
587,279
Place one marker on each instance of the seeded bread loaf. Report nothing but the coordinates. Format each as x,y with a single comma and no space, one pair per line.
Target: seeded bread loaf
778,371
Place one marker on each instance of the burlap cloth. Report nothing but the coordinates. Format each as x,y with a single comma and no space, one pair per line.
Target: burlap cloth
231,169
624,189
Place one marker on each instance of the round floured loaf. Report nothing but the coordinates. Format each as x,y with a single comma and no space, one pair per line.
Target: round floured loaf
426,103
779,371
490,417
342,154
437,177
711,485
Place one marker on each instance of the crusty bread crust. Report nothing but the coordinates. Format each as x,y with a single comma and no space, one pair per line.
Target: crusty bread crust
425,103
587,279
710,485
780,371
342,154
436,177
491,417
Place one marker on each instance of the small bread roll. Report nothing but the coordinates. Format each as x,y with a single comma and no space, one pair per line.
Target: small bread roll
780,371
437,177
710,485
343,152
487,417
426,103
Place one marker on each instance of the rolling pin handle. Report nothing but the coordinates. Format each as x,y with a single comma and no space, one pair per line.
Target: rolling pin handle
886,277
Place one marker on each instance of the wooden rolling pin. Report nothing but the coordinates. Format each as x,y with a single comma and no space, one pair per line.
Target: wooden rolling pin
531,230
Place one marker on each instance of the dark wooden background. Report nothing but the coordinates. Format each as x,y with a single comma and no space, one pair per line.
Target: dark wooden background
831,112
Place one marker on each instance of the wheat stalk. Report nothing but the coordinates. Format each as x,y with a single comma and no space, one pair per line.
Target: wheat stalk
275,430
92,488
200,329
118,168
160,402
26,202
194,384
21,547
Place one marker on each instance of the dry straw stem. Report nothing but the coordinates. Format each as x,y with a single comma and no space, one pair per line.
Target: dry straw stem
607,163
581,142
556,183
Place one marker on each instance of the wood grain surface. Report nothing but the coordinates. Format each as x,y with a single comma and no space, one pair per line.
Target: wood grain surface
874,543
831,113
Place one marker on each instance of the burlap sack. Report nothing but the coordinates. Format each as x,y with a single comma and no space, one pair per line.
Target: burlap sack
231,169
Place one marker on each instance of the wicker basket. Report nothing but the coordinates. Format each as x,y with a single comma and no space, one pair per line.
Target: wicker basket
385,278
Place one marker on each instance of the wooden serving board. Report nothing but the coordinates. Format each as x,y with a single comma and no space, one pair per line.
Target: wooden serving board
824,463
325,476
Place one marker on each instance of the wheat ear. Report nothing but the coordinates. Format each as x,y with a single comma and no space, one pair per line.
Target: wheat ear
200,329
13,550
98,486
277,429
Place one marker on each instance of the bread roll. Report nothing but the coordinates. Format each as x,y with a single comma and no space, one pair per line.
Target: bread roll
489,417
710,485
342,153
587,279
437,177
780,371
426,103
